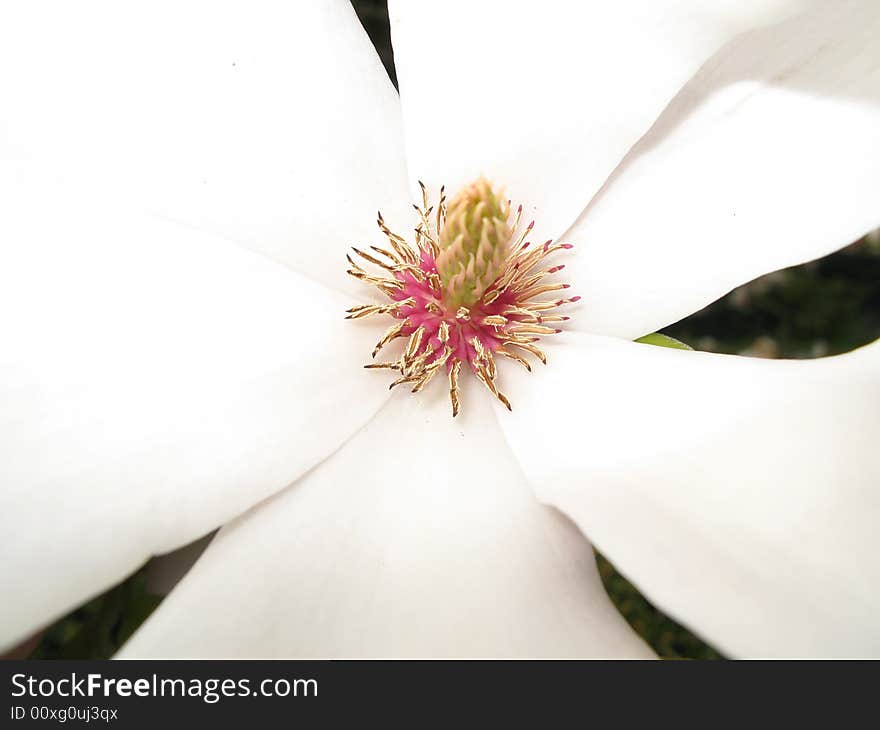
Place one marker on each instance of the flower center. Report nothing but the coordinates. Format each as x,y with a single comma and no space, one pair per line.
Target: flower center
471,289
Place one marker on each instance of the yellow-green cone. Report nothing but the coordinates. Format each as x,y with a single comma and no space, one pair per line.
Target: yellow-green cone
474,243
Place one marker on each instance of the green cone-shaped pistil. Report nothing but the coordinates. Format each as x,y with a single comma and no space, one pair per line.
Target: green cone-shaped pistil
474,243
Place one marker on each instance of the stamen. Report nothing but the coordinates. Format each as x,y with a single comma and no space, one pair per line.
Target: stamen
512,356
453,387
465,292
393,332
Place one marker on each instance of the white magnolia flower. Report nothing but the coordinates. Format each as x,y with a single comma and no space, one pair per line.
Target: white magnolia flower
180,183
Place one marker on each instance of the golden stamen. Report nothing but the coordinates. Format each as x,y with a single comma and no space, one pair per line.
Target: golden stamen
530,348
514,356
453,388
392,333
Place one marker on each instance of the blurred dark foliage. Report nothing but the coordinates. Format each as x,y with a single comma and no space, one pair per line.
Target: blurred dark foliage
666,637
825,307
98,628
373,15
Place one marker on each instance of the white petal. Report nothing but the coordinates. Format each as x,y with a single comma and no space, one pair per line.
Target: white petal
739,494
546,98
418,538
154,383
769,158
270,123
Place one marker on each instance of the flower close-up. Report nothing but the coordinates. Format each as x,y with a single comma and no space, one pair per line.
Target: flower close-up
465,293
384,342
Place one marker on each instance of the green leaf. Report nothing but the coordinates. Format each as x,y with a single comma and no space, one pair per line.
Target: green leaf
663,341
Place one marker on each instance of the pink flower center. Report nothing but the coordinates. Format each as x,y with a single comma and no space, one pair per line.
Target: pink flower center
485,301
489,323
